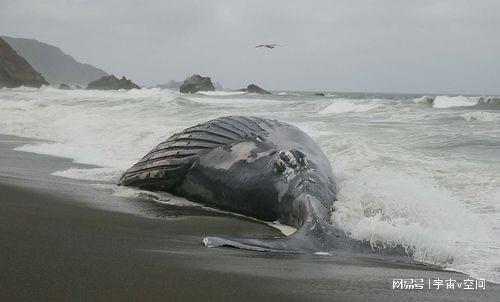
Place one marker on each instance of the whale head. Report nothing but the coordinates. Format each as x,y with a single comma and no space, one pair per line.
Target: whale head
309,190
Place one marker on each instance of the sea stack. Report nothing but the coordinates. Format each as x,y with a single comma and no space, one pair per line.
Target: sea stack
64,87
252,88
15,71
196,83
112,83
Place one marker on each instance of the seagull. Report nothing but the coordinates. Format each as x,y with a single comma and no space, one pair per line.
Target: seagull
270,46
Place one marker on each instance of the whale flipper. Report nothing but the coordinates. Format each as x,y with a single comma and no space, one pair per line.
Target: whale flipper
315,235
276,245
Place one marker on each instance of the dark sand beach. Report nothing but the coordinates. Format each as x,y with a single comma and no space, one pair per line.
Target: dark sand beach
64,240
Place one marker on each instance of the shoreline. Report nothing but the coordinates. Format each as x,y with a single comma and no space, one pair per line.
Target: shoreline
65,240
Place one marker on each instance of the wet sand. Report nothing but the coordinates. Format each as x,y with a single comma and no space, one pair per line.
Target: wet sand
64,240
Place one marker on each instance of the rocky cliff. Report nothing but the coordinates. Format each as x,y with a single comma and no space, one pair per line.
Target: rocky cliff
15,70
54,65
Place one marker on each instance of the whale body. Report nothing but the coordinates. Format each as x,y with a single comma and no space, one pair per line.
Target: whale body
262,168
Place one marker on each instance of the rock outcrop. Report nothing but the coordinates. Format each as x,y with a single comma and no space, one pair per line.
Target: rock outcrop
196,83
54,65
64,87
319,94
252,88
15,70
112,83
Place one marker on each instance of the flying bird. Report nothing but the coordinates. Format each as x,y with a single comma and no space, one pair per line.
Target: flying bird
270,46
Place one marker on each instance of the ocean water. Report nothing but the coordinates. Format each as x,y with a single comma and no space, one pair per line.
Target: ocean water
421,171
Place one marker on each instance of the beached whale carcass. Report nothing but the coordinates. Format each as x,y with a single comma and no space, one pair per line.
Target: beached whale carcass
258,167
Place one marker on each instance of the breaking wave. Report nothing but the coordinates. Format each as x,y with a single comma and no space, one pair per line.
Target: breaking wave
443,101
221,93
347,106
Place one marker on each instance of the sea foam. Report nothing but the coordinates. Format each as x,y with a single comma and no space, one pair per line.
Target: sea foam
347,106
401,179
455,101
221,93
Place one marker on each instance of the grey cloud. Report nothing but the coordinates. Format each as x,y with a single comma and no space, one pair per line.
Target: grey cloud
393,46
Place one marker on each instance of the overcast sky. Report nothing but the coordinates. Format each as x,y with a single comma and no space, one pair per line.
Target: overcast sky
450,46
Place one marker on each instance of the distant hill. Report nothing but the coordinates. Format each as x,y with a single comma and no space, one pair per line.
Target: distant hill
55,66
174,85
15,70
